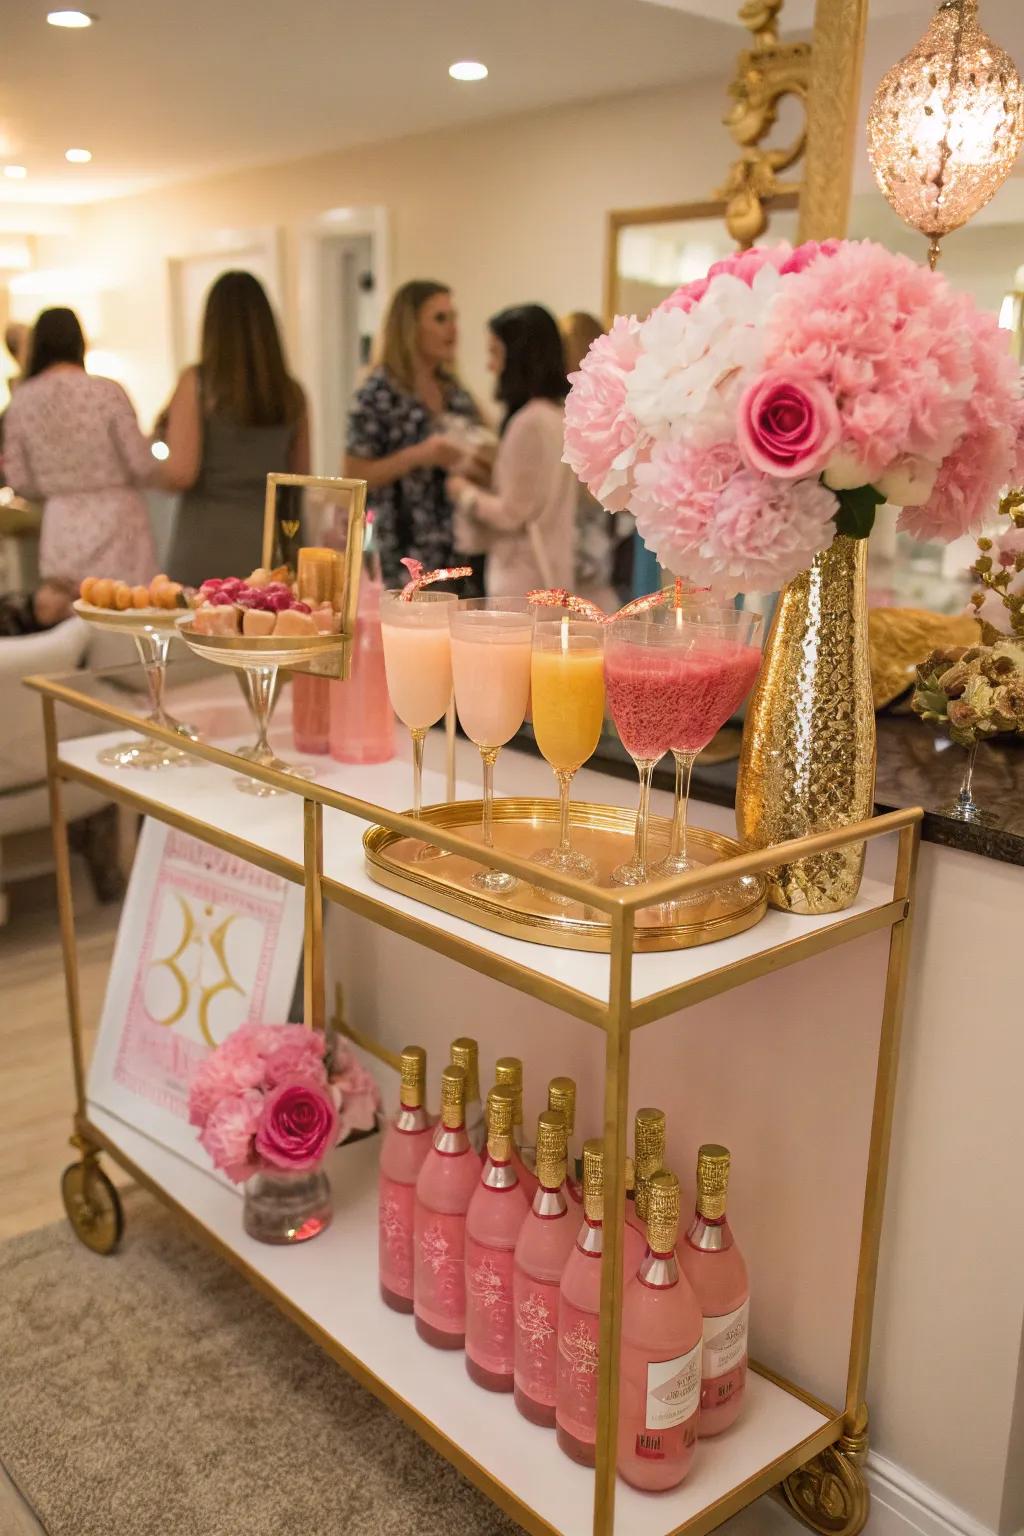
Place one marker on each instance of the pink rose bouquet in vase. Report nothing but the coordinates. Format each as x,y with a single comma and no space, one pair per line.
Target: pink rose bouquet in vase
269,1104
753,424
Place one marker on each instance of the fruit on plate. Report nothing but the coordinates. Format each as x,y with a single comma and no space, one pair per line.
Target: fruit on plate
107,592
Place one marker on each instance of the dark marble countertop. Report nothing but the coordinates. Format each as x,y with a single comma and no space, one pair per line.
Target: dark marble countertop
916,766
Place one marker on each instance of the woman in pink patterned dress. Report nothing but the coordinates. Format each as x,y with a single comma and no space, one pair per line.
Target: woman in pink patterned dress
73,441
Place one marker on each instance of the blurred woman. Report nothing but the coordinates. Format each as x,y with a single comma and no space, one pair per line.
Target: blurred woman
72,440
235,417
410,422
597,531
526,524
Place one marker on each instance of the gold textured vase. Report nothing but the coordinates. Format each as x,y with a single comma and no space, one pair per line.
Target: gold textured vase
808,757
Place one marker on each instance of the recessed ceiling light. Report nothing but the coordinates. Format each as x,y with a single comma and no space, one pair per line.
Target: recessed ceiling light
78,156
15,172
468,69
70,18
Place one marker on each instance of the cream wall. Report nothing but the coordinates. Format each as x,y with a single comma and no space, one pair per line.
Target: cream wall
509,211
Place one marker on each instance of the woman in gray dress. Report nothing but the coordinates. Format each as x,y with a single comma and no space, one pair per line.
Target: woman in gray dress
235,417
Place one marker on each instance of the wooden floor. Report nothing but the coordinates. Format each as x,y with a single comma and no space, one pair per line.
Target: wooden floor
36,1092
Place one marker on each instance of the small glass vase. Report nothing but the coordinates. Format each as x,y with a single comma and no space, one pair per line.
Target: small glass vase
283,1207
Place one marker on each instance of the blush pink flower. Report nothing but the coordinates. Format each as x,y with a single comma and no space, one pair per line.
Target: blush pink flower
299,1052
676,494
355,1093
787,426
298,1126
602,437
765,531
251,1040
746,264
222,1075
228,1134
966,491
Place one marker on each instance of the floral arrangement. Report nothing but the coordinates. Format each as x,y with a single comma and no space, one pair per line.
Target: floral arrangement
977,692
278,1097
788,394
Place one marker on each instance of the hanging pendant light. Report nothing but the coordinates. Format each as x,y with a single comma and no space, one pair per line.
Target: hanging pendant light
946,124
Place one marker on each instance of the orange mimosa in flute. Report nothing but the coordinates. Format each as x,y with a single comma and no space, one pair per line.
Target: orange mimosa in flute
567,703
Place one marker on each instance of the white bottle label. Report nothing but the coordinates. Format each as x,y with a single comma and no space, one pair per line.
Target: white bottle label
725,1341
673,1389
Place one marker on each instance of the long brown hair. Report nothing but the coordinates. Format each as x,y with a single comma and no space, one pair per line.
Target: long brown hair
579,331
56,338
244,373
395,348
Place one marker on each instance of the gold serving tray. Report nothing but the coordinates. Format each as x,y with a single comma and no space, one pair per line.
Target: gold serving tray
605,834
131,620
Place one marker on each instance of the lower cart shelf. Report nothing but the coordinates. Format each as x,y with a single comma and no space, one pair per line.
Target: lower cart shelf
329,1287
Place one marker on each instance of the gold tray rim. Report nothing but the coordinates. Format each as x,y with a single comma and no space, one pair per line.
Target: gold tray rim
554,930
130,618
237,650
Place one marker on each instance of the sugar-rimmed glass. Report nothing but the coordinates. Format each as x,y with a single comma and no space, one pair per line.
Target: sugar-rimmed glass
418,665
567,706
491,643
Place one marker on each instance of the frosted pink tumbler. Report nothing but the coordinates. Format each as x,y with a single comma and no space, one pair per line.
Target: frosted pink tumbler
362,720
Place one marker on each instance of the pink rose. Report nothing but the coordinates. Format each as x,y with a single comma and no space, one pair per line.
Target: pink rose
787,426
223,1075
298,1052
299,1125
228,1134
355,1094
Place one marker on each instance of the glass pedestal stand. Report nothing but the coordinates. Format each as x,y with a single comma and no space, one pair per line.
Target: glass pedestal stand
965,807
151,630
261,688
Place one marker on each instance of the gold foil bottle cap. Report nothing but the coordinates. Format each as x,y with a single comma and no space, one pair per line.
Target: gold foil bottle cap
648,1153
453,1097
413,1076
551,1149
562,1097
630,1177
662,1212
593,1179
712,1181
501,1107
466,1053
508,1073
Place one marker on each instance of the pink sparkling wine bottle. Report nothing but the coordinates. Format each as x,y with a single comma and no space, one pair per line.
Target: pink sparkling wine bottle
715,1268
648,1159
407,1141
562,1099
508,1072
546,1239
660,1363
466,1053
579,1306
444,1188
496,1214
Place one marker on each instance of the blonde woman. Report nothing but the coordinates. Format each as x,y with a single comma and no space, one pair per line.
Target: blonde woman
400,428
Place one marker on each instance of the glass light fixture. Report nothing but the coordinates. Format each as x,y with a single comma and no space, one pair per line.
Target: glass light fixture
946,124
73,19
468,69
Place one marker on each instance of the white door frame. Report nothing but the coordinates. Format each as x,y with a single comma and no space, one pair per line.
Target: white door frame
316,345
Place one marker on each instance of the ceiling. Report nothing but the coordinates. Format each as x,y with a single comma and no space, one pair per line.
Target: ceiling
165,90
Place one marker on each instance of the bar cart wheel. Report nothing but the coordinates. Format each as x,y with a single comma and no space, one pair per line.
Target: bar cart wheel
829,1494
92,1203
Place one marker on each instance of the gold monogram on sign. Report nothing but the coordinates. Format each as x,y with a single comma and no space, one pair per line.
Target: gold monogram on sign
195,932
290,527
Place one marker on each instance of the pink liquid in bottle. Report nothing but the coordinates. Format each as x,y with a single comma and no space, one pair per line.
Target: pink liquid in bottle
660,1362
579,1306
496,1213
311,714
715,1268
362,720
407,1141
444,1188
546,1239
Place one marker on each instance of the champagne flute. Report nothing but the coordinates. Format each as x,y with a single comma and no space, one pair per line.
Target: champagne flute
640,663
418,666
491,640
567,691
720,658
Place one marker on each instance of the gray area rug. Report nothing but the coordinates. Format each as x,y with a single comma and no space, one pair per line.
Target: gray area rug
155,1394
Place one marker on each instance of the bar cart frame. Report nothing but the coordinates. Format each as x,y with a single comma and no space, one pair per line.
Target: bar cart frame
821,1478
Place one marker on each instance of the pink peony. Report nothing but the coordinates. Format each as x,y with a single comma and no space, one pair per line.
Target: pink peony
965,493
228,1134
676,494
764,531
222,1075
299,1052
298,1126
787,426
602,438
252,1040
746,265
355,1094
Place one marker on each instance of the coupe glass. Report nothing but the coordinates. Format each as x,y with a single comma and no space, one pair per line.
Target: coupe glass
719,661
641,663
418,666
491,642
567,703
